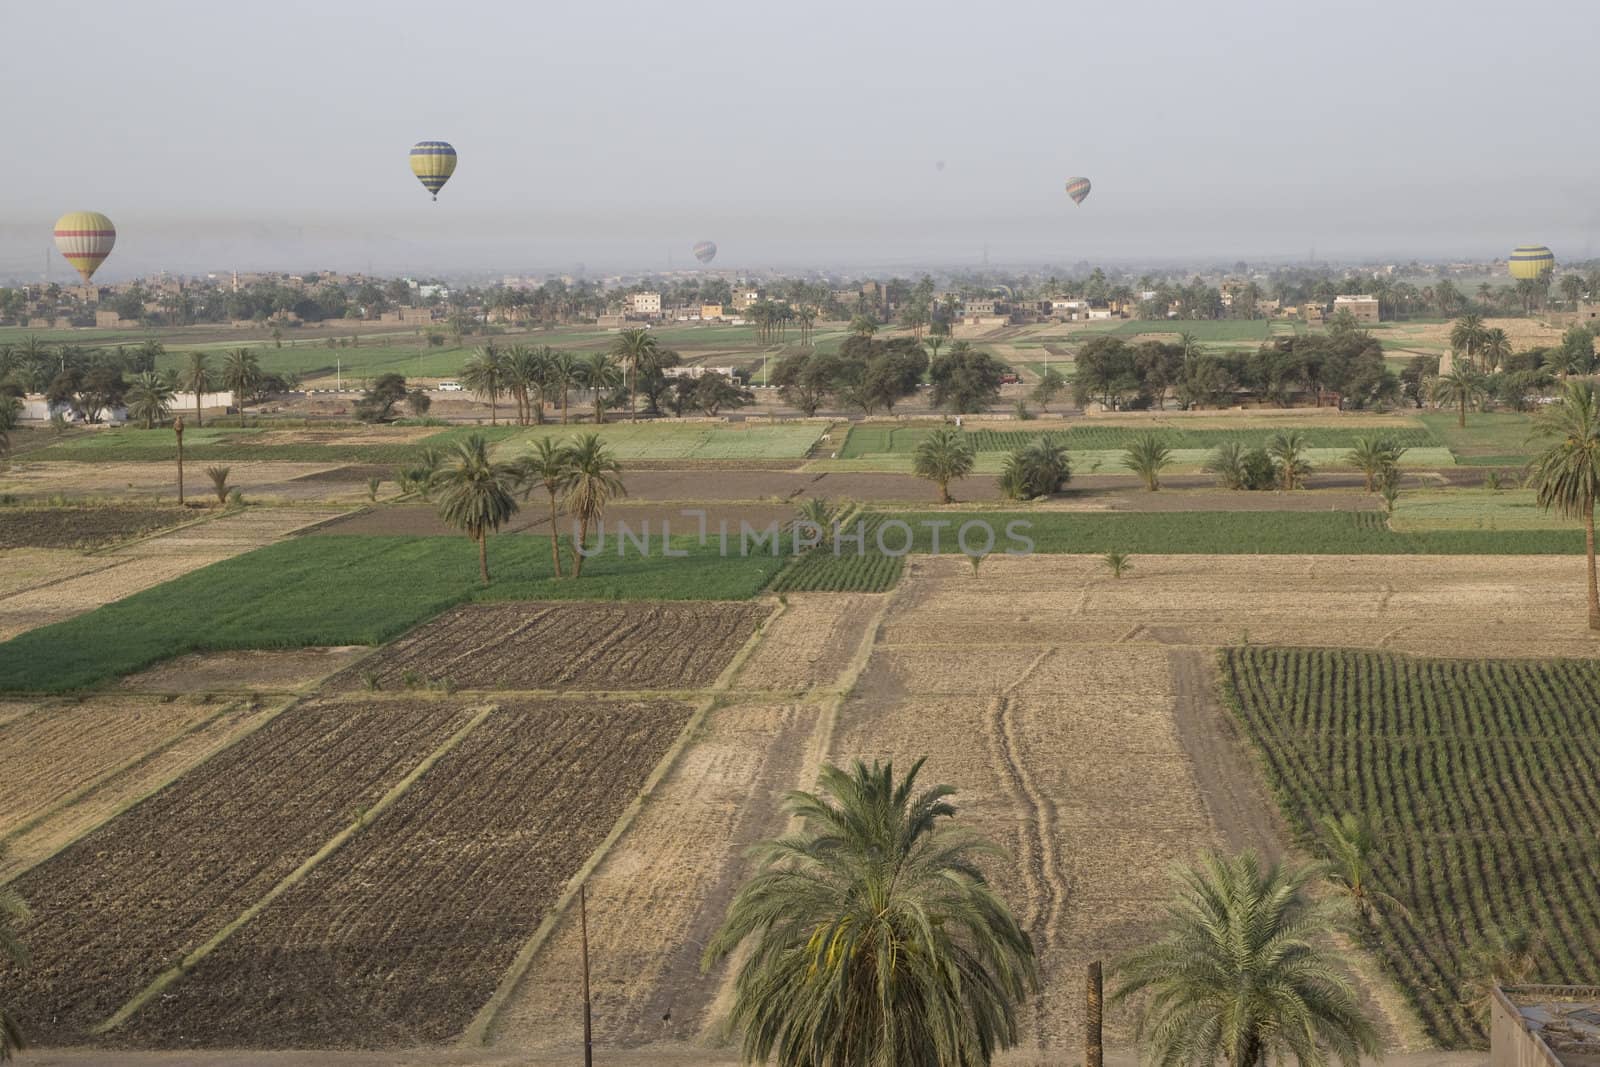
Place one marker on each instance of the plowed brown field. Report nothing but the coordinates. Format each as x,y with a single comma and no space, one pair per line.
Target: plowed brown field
399,938
566,646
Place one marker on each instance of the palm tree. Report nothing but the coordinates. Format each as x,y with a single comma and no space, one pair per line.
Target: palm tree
819,513
1467,334
1118,563
476,495
1227,463
873,936
1038,468
149,399
561,375
196,379
599,374
13,913
521,367
1288,452
10,416
1496,348
549,466
1352,849
1373,456
1500,955
1463,387
863,326
943,457
635,350
1147,457
592,484
240,375
1566,475
485,374
1241,974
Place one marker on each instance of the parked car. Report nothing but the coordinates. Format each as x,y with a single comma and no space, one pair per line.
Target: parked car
449,387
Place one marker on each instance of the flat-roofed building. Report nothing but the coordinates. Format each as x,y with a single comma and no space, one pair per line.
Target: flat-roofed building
1363,308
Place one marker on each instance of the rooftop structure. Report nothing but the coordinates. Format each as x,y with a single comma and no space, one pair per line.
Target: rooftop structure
1545,1026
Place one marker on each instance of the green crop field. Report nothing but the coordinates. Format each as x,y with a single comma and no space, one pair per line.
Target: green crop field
1495,439
868,440
848,571
1235,533
1205,330
214,442
691,440
1483,777
1476,509
346,591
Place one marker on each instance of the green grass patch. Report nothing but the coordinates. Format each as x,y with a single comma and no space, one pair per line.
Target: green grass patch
126,445
1230,533
867,440
346,591
1506,437
1480,775
1476,509
1218,330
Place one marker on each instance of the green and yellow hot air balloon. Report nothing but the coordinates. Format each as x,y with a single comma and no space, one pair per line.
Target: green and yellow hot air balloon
85,238
1532,262
433,162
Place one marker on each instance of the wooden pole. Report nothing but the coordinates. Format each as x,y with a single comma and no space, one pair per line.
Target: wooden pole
177,428
1093,1050
583,920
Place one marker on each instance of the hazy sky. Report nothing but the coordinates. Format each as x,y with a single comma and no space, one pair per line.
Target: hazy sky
275,134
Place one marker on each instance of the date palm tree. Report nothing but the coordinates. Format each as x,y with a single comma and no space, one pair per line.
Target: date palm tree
594,480
873,936
10,416
1227,463
1496,348
1373,456
196,378
1467,335
485,374
548,466
1462,387
1566,475
635,351
1147,457
942,457
13,913
475,494
149,399
521,364
1353,843
599,374
241,373
561,375
1241,974
1288,452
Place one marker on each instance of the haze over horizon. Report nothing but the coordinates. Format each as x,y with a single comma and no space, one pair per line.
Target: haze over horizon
276,137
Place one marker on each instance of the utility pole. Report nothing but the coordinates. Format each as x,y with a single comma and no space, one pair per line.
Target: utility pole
1093,1050
583,921
177,428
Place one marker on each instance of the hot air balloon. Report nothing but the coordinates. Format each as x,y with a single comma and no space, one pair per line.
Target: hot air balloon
705,251
85,238
433,162
1078,189
939,165
1532,262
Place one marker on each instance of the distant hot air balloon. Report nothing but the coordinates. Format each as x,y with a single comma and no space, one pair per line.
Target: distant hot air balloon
1532,262
433,162
1078,189
705,251
939,165
85,238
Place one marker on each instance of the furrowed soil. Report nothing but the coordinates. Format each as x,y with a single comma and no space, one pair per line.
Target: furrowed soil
811,643
84,527
399,938
132,898
565,646
422,520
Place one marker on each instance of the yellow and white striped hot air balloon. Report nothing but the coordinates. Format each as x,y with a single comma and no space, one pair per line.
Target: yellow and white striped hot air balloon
85,238
433,162
1532,262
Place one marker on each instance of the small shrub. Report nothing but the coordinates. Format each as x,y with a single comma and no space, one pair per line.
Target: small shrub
370,680
219,482
410,679
1118,563
373,484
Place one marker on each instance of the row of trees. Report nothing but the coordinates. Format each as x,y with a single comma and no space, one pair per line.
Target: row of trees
869,375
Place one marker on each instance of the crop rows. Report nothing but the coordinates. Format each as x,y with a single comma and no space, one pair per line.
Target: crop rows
864,441
821,571
1485,779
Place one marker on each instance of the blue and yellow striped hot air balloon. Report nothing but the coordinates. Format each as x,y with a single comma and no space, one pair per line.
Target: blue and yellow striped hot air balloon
433,162
1078,189
1532,262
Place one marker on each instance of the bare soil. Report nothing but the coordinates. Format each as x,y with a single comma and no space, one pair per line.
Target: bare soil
84,527
280,482
422,520
399,938
133,897
811,643
247,671
638,646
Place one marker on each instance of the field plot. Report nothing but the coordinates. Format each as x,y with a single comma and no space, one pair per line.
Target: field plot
664,888
1098,436
133,897
61,748
820,570
573,646
156,481
1484,777
810,643
84,527
401,936
688,441
246,671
